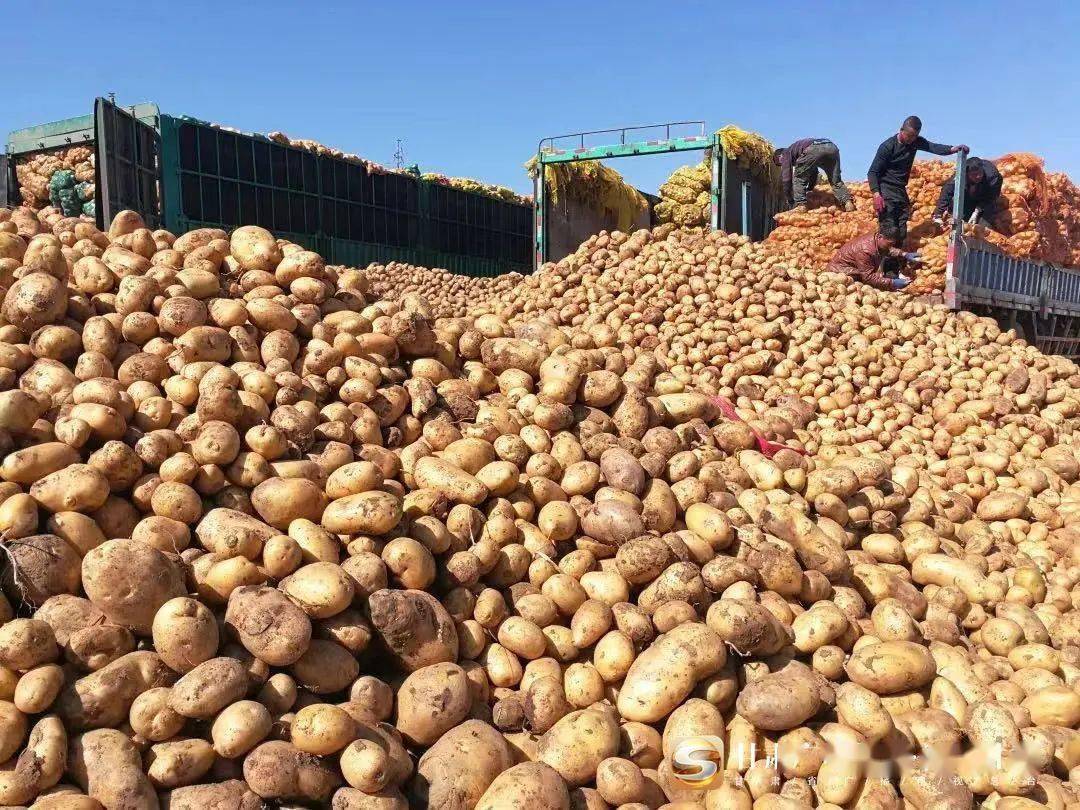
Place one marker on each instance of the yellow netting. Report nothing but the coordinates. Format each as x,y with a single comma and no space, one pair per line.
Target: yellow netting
594,185
749,150
477,187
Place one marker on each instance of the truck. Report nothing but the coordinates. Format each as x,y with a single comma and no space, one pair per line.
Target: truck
180,173
740,201
1041,301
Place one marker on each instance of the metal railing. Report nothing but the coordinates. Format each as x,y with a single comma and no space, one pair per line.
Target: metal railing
550,147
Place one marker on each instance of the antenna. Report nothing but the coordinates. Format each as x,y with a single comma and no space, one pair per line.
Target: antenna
399,154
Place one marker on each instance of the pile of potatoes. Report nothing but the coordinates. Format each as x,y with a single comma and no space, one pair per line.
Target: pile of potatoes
451,295
272,539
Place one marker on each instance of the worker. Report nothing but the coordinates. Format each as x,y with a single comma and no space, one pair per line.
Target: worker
864,256
799,165
891,168
981,193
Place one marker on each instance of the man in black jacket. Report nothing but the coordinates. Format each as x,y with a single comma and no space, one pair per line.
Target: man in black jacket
891,168
982,191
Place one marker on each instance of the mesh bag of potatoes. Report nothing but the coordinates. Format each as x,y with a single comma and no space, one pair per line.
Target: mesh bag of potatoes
283,534
35,173
684,198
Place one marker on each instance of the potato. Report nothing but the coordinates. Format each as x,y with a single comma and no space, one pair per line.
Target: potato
431,701
325,668
530,784
104,698
129,581
151,717
209,688
40,766
67,614
453,482
178,762
816,550
665,673
320,589
352,479
33,463
891,666
322,729
232,793
460,766
365,765
12,729
106,764
1052,706
279,501
618,779
577,744
255,249
278,770
34,300
778,702
185,633
371,512
75,488
612,522
38,688
26,644
79,531
268,624
232,533
415,628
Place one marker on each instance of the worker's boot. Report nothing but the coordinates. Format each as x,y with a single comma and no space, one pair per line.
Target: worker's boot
849,205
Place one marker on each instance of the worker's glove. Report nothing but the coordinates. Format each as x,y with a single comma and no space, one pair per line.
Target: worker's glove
960,147
939,221
879,203
900,282
913,257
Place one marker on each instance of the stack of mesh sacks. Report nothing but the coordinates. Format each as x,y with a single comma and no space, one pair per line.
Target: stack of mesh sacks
1040,219
685,199
40,185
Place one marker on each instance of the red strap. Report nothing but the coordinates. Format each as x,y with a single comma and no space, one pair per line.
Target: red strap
767,448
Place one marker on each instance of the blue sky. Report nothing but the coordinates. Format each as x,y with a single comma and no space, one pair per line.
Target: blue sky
471,87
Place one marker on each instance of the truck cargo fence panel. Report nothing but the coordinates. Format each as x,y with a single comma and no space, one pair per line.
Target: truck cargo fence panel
128,170
351,212
8,186
1040,301
748,203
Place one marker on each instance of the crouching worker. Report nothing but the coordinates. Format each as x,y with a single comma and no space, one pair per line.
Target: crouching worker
863,259
982,194
799,165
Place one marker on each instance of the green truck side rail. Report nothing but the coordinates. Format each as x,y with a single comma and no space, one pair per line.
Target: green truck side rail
212,177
